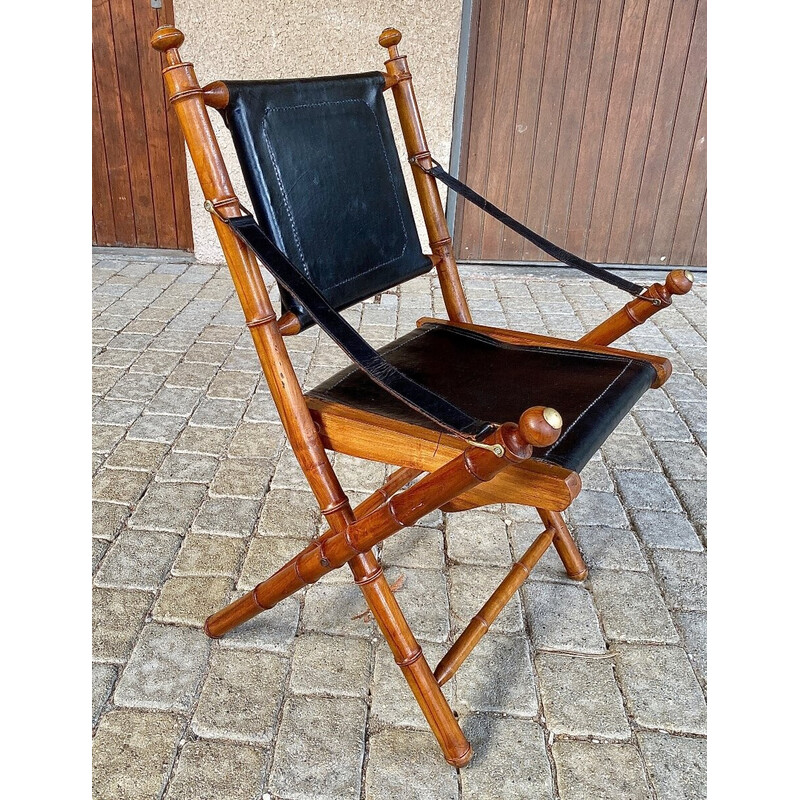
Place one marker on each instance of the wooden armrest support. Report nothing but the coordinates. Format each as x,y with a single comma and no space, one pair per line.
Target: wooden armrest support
679,281
661,365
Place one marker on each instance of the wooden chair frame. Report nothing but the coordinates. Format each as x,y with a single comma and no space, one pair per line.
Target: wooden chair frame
461,475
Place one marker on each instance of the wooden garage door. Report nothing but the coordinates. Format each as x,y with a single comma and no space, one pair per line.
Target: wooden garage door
586,119
140,194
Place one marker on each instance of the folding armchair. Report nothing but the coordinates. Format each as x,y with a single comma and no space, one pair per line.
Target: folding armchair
469,415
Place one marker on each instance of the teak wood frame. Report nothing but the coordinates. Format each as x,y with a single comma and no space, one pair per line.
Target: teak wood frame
461,475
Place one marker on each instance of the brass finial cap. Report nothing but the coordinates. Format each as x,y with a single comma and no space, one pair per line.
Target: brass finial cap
540,426
679,281
167,37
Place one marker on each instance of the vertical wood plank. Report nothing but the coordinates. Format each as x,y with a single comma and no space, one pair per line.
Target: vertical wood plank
594,122
108,97
102,208
526,115
655,163
130,91
577,84
505,99
616,129
152,86
643,106
693,198
555,73
681,145
699,255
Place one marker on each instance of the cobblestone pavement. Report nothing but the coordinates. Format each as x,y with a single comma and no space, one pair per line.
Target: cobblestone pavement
592,690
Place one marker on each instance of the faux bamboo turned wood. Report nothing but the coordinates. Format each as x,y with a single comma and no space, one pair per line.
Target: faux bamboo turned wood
637,311
365,435
399,77
482,621
662,365
565,545
338,546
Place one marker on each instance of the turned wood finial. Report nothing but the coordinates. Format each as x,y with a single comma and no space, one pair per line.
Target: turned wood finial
540,426
167,37
389,39
679,281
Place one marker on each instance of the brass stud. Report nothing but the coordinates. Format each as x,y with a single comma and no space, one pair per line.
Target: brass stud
689,276
553,418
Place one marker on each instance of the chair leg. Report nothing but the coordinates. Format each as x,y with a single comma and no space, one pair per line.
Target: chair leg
565,545
408,655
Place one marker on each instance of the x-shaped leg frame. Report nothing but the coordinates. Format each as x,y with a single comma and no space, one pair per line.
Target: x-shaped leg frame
384,513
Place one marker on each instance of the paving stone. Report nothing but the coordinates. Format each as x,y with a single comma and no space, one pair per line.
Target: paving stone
119,485
261,409
477,537
209,555
207,353
509,760
241,360
336,608
666,530
138,559
103,677
190,600
187,468
114,358
99,548
358,473
692,626
155,362
164,669
117,618
220,333
629,452
580,697
132,755
562,617
683,575
157,428
648,490
610,548
392,700
662,426
136,386
217,771
173,339
682,460
216,413
288,474
597,508
104,437
191,375
241,696
423,600
116,412
108,519
228,516
588,771
631,607
238,477
137,455
415,547
498,677
677,765
470,587
178,401
661,689
266,556
331,665
233,385
289,513
693,498
596,477
320,749
273,630
405,764
256,440
168,507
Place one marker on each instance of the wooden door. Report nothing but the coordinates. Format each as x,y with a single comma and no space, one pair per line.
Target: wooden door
140,195
586,120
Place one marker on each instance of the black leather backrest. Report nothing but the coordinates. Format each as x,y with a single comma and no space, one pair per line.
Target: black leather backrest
322,170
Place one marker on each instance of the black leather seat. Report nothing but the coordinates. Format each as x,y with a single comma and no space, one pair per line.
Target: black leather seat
497,381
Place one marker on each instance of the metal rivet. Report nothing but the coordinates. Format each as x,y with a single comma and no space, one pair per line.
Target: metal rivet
689,276
553,418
